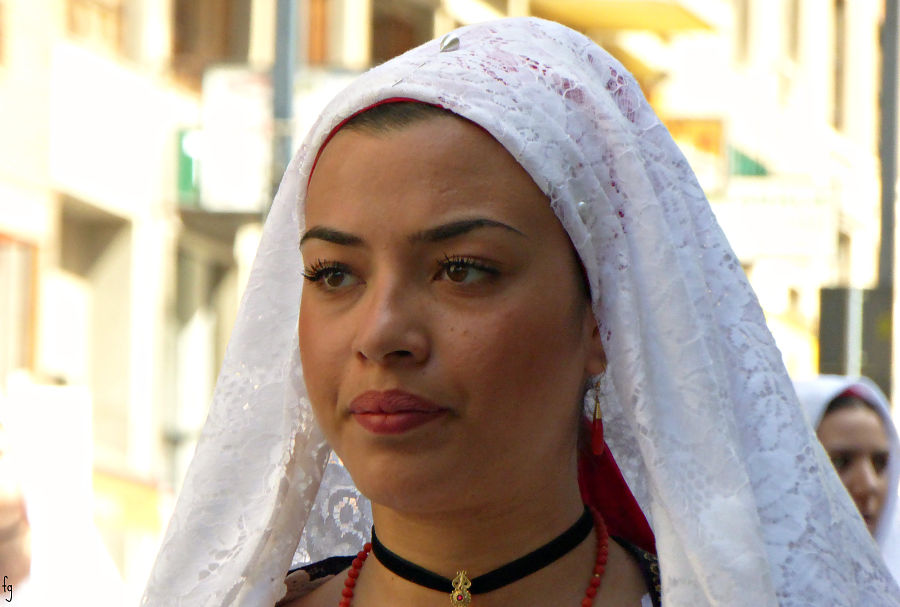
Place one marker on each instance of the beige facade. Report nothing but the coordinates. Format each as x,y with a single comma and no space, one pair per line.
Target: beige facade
794,85
134,169
122,290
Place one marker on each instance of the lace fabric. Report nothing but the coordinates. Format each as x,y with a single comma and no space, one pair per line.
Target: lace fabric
699,411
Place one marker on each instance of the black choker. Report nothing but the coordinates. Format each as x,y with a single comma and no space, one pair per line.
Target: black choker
498,578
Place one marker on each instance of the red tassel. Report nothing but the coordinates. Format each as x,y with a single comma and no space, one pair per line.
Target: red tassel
604,488
598,445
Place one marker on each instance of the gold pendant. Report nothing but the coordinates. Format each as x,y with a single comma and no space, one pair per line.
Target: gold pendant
461,585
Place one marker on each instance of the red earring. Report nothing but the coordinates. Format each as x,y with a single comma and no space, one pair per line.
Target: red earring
598,445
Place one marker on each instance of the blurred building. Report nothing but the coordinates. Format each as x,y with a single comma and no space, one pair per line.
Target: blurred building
778,111
775,104
118,290
135,168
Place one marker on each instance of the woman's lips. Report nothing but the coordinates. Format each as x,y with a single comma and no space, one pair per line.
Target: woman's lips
392,411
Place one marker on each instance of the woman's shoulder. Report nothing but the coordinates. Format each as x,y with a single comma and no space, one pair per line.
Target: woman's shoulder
303,580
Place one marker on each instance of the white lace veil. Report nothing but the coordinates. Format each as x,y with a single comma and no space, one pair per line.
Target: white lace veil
700,413
815,395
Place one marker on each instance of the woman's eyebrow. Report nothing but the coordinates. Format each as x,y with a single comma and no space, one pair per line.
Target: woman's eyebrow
458,228
435,234
333,236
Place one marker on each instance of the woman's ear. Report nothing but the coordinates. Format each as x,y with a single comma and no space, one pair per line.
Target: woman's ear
595,363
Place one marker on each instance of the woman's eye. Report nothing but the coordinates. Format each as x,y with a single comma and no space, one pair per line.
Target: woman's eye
465,271
335,279
879,462
330,276
457,272
839,461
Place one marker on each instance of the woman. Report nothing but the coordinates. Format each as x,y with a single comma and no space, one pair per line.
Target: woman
483,347
418,290
853,421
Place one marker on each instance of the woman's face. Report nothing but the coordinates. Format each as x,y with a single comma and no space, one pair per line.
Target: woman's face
855,439
444,333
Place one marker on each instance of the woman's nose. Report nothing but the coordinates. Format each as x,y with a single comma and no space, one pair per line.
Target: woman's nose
863,479
391,325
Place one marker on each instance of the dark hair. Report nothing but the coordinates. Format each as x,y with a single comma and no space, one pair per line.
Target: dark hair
395,115
848,400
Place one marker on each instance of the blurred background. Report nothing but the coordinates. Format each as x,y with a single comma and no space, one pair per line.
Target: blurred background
140,141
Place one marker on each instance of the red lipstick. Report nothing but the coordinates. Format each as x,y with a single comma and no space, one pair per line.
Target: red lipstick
393,411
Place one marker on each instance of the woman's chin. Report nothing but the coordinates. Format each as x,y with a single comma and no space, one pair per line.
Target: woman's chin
399,498
404,490
420,485
871,523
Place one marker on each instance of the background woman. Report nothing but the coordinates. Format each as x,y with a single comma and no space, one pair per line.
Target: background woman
853,421
698,409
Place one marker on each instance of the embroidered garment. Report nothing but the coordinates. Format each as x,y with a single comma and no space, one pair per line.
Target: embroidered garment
699,411
816,394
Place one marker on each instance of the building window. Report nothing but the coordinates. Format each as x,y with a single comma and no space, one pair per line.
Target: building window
17,306
86,316
838,65
794,301
398,27
96,22
317,44
792,30
207,32
790,52
742,29
843,259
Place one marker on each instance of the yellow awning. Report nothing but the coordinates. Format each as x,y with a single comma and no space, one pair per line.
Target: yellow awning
659,16
645,73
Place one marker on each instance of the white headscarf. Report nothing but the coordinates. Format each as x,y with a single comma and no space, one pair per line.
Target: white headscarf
816,394
700,413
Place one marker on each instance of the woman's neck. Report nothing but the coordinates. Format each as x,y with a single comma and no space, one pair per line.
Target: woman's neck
480,541
481,537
